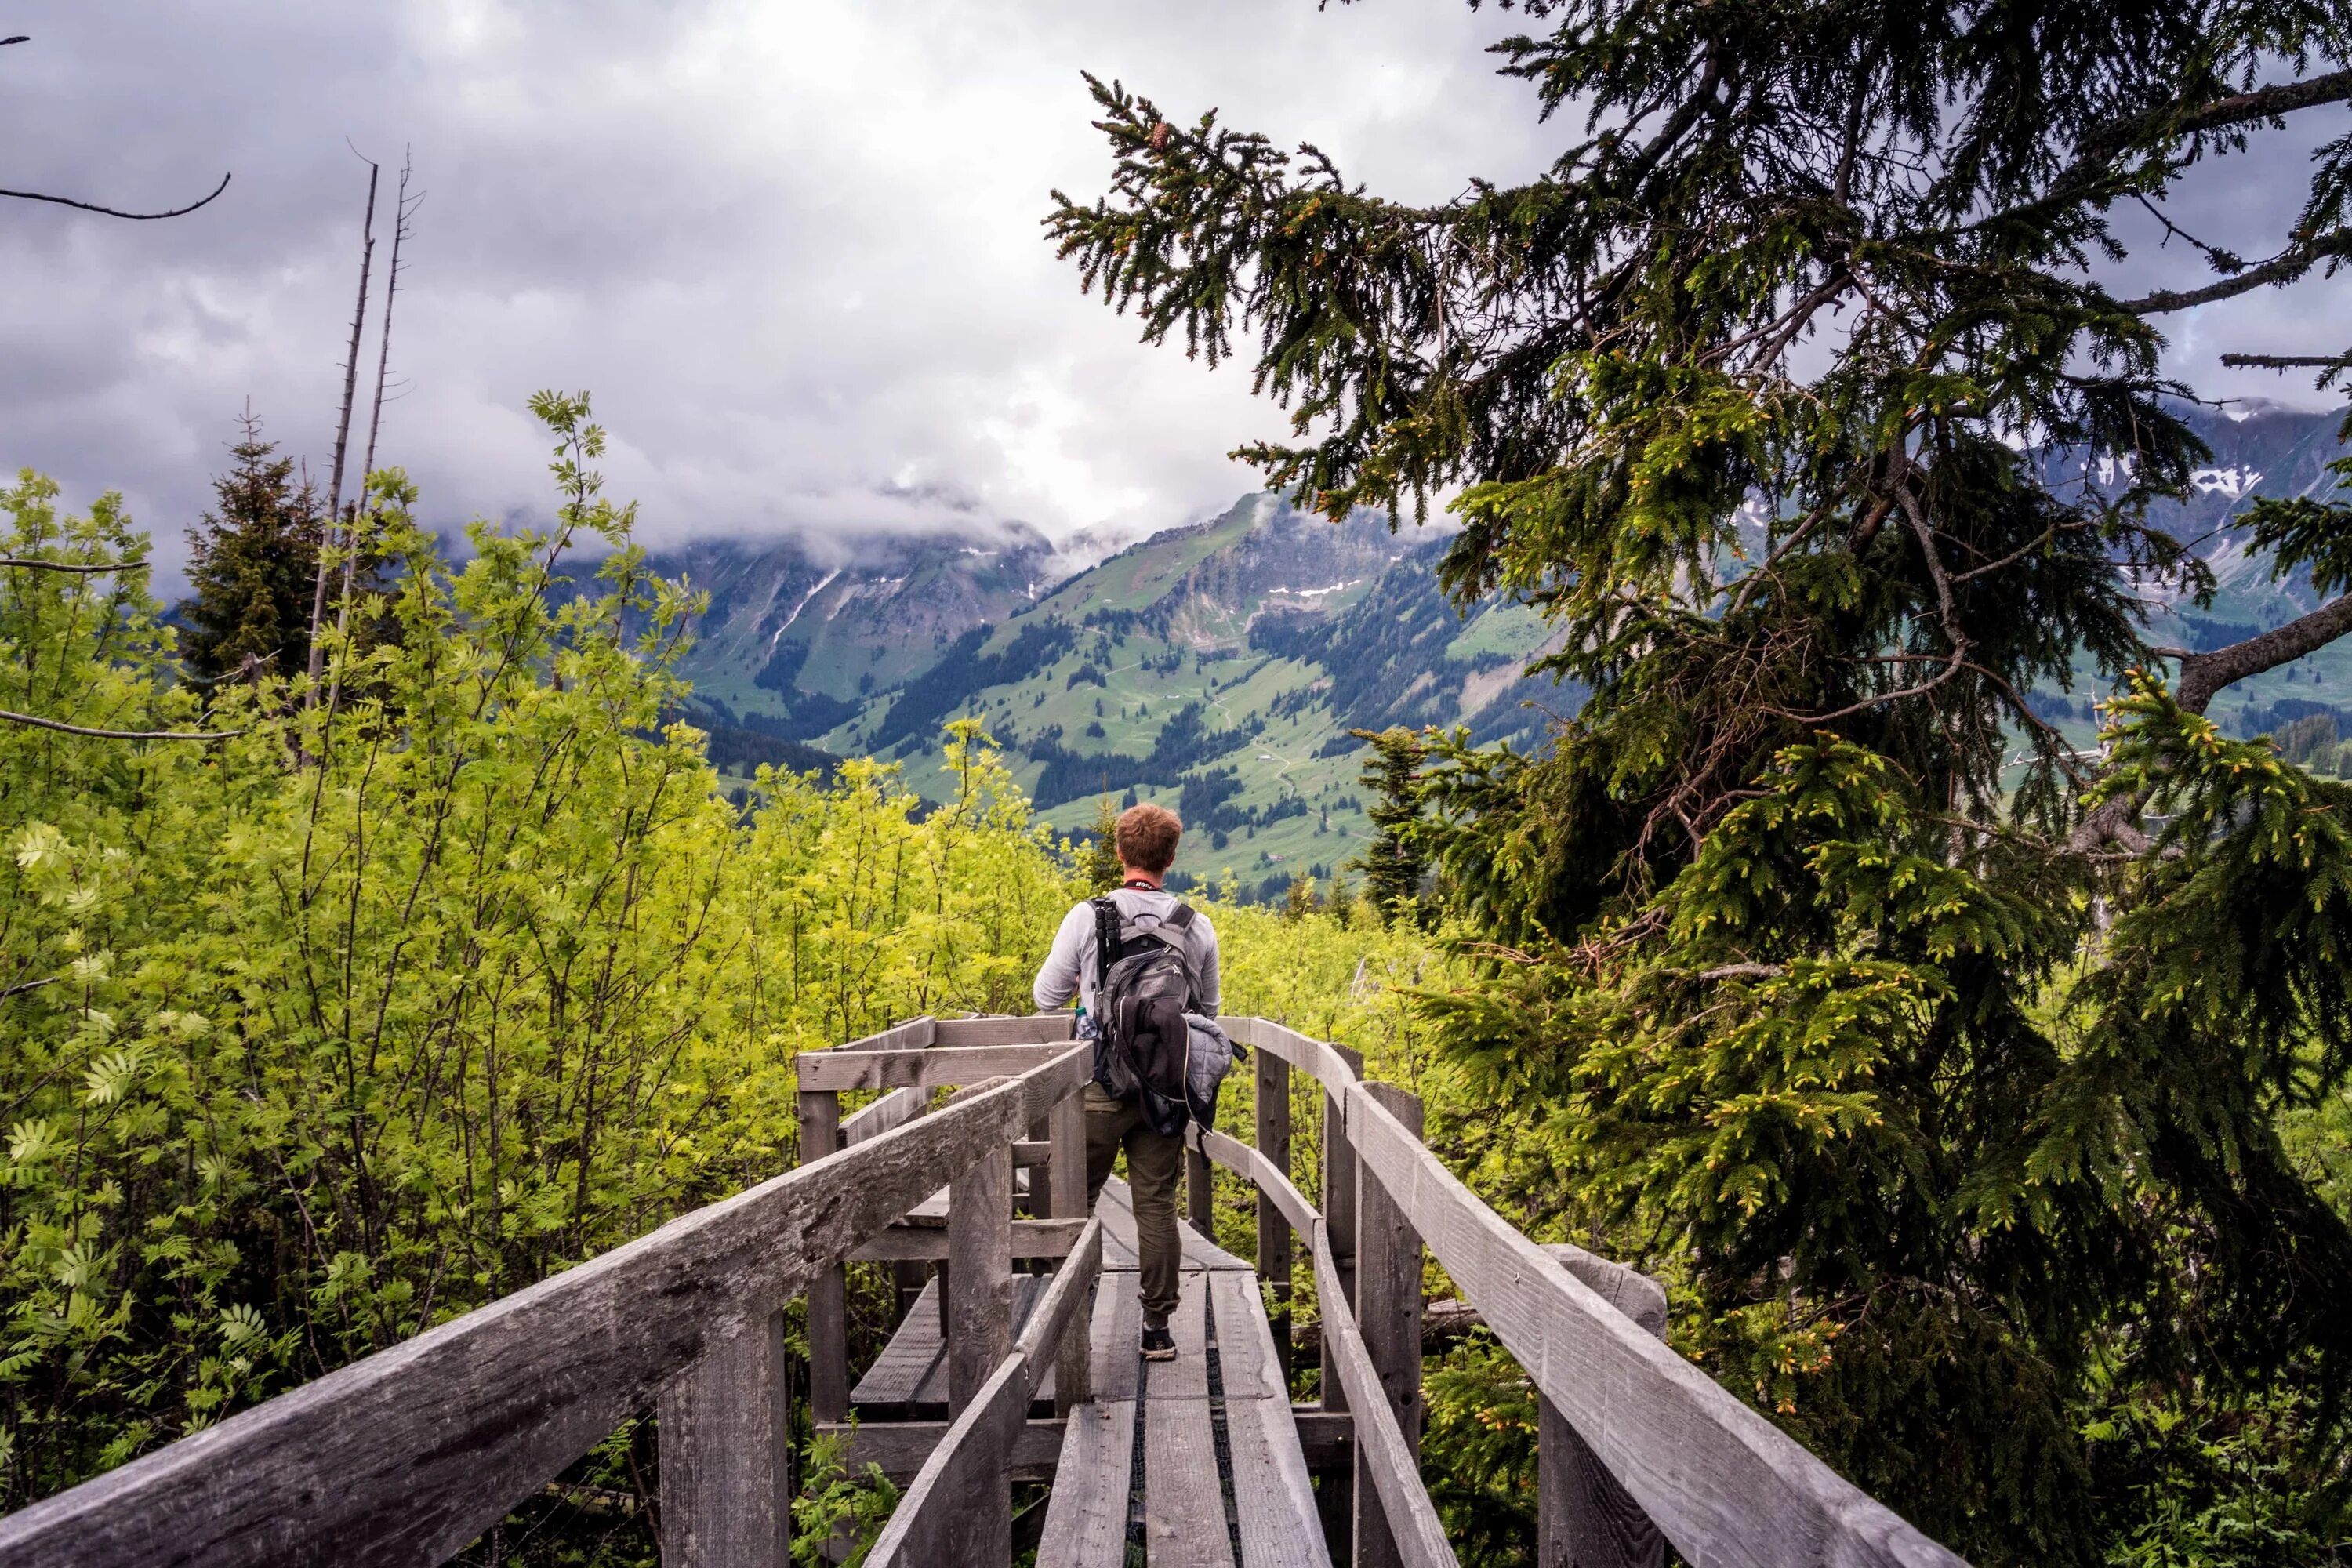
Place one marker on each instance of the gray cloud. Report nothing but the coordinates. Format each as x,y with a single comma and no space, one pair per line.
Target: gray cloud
794,249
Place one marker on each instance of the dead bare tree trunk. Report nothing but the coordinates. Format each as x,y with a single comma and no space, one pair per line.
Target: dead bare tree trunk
402,209
342,441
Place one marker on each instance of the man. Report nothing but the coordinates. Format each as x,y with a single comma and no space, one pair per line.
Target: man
1146,839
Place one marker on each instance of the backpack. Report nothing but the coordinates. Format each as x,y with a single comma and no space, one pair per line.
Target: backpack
1149,1042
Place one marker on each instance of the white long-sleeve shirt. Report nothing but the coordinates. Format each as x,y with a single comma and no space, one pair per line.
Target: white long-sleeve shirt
1069,967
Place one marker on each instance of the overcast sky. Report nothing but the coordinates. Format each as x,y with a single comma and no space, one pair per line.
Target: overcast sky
792,247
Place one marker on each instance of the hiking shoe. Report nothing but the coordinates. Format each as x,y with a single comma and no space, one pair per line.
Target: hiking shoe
1159,1344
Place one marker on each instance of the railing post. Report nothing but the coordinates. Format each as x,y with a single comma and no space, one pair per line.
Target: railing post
1388,1312
1274,1231
1335,1498
1583,1517
726,1455
828,1296
1066,1184
980,1275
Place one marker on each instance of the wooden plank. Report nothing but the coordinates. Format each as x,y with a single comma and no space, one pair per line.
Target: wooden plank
1186,1377
1184,1502
1323,1434
1066,1177
1274,1256
404,1456
1629,1291
1114,1367
1019,1029
1245,1351
1032,1154
958,1510
1030,1238
1063,1302
911,1036
1583,1517
1274,1499
895,1109
940,1066
1116,1205
1388,1316
1246,1163
1338,1207
980,1276
1334,1066
900,1447
726,1455
828,1295
1724,1484
1393,1472
1086,1518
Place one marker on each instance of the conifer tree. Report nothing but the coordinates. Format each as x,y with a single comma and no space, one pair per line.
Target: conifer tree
251,562
1098,863
1956,1099
1393,863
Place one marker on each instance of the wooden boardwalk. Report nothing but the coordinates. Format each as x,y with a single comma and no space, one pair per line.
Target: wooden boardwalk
1003,1375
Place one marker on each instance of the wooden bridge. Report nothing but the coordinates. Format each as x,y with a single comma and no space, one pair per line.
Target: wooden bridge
995,1376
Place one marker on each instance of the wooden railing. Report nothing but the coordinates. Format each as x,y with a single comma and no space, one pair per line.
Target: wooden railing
402,1458
1637,1443
406,1456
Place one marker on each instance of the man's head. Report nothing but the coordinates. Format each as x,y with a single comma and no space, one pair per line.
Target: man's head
1146,838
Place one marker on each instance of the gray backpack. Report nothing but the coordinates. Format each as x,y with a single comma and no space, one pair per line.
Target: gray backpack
1145,1023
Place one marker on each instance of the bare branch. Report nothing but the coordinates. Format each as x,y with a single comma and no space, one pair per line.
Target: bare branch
114,212
2287,362
2203,675
2283,268
38,723
34,564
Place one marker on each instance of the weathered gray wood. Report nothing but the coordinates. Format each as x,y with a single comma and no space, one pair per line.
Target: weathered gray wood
1388,1315
957,1511
895,1109
901,1448
1085,1519
938,1066
1033,1155
1322,1434
1724,1484
1386,1468
404,1456
1583,1517
1183,1499
1118,1207
980,1276
911,1036
908,1379
1629,1291
1018,1030
1246,1362
726,1455
1066,1177
1248,1163
1274,1499
828,1295
1333,1065
1115,1367
1064,1302
1186,1377
1339,1205
1030,1238
1274,1256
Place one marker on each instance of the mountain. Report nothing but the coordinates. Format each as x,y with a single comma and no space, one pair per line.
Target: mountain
1220,667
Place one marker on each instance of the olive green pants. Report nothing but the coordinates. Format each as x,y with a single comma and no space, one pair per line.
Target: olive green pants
1152,1163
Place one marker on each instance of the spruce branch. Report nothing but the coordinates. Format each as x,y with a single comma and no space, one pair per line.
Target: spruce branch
2284,268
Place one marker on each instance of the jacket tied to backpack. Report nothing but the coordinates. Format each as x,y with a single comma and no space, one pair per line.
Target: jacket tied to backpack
1149,1043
